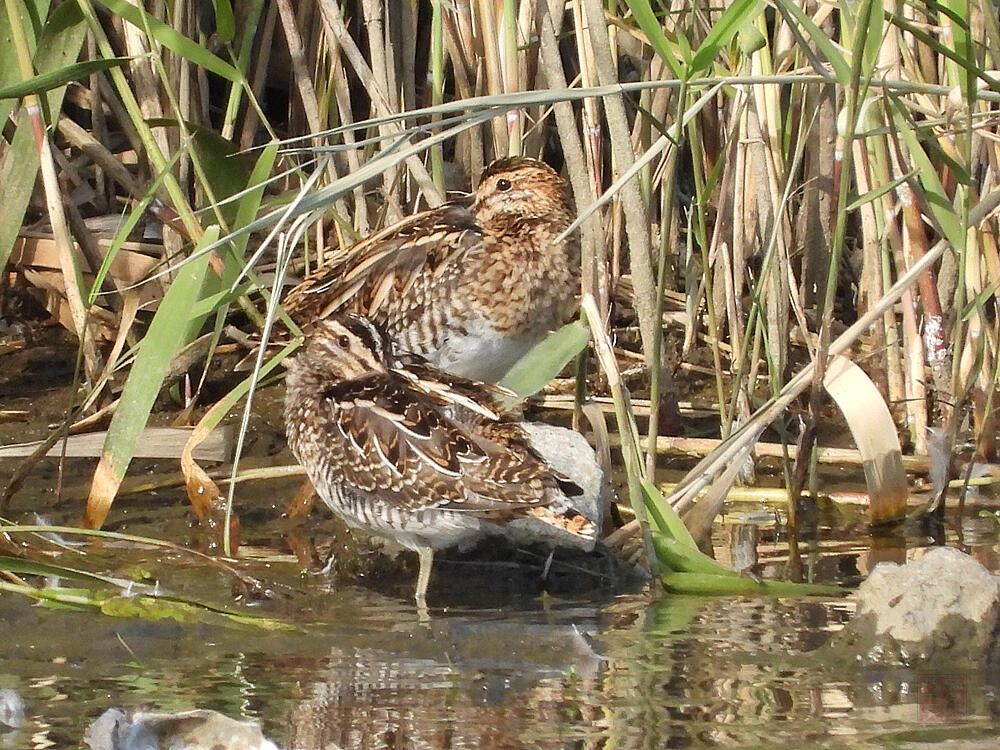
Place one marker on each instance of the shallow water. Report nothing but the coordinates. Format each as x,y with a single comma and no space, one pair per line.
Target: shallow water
682,672
492,669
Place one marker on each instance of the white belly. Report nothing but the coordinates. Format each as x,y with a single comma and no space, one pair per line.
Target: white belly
483,354
413,529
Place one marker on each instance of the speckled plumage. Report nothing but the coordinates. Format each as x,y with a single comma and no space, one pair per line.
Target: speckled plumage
471,285
428,462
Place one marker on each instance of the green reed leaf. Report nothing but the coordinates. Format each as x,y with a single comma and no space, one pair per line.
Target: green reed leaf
55,78
171,328
722,33
537,368
225,22
651,26
189,49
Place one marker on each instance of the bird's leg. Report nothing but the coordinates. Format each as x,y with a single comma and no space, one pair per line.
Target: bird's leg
426,557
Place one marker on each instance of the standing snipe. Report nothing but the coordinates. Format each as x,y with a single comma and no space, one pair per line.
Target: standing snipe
422,460
471,285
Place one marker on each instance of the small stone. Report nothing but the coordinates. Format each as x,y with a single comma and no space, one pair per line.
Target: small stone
11,709
569,453
200,729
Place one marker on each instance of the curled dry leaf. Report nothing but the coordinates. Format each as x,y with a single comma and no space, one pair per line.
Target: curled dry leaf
207,500
874,433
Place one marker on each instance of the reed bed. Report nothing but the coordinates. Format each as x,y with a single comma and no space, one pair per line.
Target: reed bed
752,179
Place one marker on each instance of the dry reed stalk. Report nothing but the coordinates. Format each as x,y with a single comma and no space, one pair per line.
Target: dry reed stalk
379,86
593,259
915,394
773,225
814,230
469,147
591,109
975,371
887,233
98,127
175,78
512,72
380,105
259,76
633,204
300,69
486,22
345,116
870,281
700,447
406,37
143,79
914,357
744,216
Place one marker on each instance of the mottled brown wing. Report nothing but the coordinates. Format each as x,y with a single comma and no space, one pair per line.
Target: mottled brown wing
519,465
387,264
469,400
397,444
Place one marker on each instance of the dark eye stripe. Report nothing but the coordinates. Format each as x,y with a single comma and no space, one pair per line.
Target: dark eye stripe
371,337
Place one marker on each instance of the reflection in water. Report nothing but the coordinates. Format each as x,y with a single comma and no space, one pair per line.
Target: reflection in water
487,682
687,672
683,672
409,704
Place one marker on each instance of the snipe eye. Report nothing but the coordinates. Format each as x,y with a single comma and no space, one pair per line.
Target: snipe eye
343,342
503,185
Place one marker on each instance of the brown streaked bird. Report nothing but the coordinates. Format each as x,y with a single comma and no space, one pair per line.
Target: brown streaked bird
427,462
471,285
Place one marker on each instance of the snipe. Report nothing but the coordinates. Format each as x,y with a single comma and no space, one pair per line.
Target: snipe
402,450
471,285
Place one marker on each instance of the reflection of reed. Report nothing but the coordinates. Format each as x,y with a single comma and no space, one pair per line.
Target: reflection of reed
718,672
685,671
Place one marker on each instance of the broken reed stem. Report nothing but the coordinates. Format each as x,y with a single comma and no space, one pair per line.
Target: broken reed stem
707,468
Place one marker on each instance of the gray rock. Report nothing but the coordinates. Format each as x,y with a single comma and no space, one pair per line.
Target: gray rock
11,709
569,453
189,730
941,608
